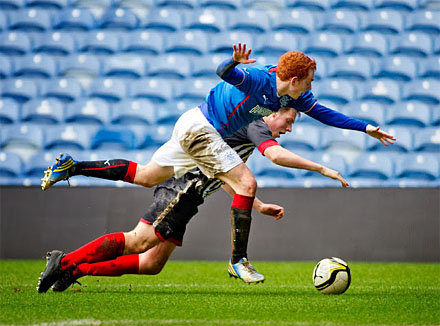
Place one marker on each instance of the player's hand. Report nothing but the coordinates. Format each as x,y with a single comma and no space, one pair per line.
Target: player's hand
241,55
384,137
327,172
272,210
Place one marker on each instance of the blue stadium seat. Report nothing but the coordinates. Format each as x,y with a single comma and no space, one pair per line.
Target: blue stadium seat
64,89
100,42
435,117
425,90
124,66
222,43
371,44
416,44
298,20
11,165
37,65
163,20
9,111
15,43
315,5
194,89
30,20
368,111
331,160
426,21
114,137
411,114
47,4
399,68
350,67
338,90
169,113
383,21
384,91
157,135
207,20
187,42
55,43
276,43
154,89
49,111
220,4
341,21
324,44
251,21
5,67
132,112
80,65
354,5
143,42
88,112
109,89
427,140
74,19
69,137
402,5
21,90
436,46
119,19
430,67
302,138
206,66
22,135
171,66
3,21
418,166
263,167
404,142
378,166
264,4
98,6
179,4
11,4
322,66
332,138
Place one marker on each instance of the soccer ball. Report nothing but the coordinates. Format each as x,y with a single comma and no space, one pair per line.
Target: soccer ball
331,276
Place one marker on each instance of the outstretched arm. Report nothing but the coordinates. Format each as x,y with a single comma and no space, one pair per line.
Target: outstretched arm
227,71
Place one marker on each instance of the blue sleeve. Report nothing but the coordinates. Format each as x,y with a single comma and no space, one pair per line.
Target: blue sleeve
229,73
335,119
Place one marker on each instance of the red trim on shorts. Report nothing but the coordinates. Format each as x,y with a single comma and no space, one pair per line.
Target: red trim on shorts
131,172
233,112
266,144
103,168
242,202
176,242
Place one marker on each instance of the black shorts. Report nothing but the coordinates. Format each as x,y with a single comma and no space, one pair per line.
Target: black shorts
176,201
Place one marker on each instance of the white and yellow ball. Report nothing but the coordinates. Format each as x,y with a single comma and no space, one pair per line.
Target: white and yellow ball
331,276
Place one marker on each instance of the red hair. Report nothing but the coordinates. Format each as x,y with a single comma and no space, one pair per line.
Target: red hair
294,64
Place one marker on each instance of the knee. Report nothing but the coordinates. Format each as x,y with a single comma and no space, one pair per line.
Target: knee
249,186
151,267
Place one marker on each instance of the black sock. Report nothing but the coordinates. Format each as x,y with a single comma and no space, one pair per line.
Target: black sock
240,227
110,169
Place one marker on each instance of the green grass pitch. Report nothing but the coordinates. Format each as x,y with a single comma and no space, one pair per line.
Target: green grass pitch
201,293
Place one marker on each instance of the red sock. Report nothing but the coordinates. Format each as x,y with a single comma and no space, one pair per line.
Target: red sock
242,202
107,247
131,172
128,264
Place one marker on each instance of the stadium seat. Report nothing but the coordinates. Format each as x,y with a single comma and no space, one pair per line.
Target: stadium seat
263,167
169,113
11,165
114,137
425,90
341,21
206,66
64,89
163,20
74,19
383,21
22,135
324,44
157,136
268,5
20,90
124,66
315,5
402,5
337,90
134,112
427,140
5,67
37,163
3,21
109,89
418,166
154,89
354,5
88,112
322,66
372,166
368,111
251,21
302,138
100,42
435,117
332,138
206,20
15,43
399,68
276,43
298,21
187,42
333,161
220,4
118,19
350,67
430,67
30,20
384,91
11,4
179,4
426,21
171,66
47,4
80,65
194,89
48,111
55,43
222,43
69,137
411,114
404,140
37,65
370,44
9,111
143,42
416,44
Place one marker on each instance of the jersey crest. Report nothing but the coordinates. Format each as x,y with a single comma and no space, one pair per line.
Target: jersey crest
261,111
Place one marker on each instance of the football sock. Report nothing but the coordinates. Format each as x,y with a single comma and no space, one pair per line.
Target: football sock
128,264
240,226
110,169
107,247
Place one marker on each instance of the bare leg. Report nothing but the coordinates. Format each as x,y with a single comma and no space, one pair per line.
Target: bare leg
152,174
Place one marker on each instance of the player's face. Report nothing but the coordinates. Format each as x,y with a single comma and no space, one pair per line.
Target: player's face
282,123
301,86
